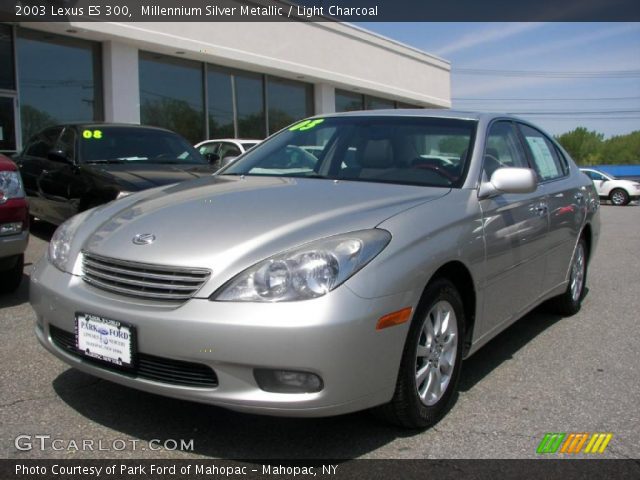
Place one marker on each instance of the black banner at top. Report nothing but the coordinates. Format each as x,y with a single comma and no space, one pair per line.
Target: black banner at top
318,10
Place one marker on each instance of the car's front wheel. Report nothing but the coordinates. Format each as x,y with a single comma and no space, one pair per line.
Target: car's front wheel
431,361
619,197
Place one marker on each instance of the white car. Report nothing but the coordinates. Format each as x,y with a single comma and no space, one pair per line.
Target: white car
220,152
619,191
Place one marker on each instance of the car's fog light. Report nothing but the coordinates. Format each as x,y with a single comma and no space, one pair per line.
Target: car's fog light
10,228
287,381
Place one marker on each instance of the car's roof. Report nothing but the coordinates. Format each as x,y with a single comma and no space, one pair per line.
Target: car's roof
108,125
231,140
422,112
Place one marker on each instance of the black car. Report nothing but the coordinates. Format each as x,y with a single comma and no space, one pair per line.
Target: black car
69,168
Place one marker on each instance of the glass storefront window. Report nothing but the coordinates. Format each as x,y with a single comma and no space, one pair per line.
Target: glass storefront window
288,101
7,76
250,106
348,101
220,103
60,80
374,103
172,95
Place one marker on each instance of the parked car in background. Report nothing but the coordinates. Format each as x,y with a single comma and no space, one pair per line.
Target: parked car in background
619,191
302,285
14,225
67,169
224,150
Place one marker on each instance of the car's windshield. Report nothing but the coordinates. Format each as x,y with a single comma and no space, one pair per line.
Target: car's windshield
408,150
126,144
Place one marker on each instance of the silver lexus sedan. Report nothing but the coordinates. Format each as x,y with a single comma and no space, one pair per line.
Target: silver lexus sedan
350,261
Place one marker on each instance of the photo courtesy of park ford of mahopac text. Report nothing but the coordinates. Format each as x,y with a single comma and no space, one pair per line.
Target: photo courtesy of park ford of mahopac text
319,239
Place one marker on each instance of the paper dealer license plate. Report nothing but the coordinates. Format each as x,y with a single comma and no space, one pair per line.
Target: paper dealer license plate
107,340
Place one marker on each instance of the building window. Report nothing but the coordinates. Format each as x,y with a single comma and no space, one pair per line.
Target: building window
220,103
60,80
374,103
250,106
172,94
348,101
288,101
7,73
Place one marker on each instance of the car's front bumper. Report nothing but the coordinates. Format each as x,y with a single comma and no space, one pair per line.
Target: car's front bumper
333,336
12,245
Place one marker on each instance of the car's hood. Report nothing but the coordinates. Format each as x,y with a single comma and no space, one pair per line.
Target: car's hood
134,177
228,223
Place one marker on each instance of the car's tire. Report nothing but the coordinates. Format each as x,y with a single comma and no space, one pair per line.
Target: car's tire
619,197
570,301
10,279
431,360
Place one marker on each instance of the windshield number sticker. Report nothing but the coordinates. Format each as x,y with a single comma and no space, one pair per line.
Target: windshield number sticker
306,125
88,134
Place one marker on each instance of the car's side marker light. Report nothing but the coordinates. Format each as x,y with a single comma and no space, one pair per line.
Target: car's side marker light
395,318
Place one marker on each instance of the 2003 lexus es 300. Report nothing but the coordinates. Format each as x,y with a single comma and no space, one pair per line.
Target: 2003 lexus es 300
350,261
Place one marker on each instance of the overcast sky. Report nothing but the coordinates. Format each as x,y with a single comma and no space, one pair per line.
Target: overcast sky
570,74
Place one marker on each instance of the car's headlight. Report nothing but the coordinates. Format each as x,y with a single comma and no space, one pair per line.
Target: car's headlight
305,272
10,186
60,244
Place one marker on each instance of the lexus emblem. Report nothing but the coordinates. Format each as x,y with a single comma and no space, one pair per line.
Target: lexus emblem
144,239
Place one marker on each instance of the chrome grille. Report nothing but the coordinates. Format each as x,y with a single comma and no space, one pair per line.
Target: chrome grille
142,280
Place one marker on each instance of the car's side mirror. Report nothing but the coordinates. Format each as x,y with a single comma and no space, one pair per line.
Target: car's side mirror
211,157
509,180
57,155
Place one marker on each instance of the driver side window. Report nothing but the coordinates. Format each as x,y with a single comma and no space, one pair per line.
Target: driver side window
502,149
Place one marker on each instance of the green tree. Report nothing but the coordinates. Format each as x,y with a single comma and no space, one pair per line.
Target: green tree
622,149
584,146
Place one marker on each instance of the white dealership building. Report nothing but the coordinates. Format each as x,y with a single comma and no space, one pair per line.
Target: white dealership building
204,80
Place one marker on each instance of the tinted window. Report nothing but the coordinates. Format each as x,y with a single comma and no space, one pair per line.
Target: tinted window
67,142
125,145
229,150
7,77
288,101
503,149
594,175
209,148
220,103
250,105
374,103
43,143
171,95
348,102
405,150
545,158
60,80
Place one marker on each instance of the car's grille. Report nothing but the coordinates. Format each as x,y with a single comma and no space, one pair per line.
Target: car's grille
142,280
150,367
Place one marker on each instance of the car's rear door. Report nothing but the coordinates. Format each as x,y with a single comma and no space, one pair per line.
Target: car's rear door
565,199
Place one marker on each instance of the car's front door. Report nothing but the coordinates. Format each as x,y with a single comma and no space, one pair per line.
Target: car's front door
61,184
515,230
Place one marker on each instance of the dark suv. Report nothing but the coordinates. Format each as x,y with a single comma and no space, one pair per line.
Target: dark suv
70,168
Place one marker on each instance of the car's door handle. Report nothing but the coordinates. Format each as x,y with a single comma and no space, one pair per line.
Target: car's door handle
541,209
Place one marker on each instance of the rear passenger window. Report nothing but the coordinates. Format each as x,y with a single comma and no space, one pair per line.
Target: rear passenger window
546,161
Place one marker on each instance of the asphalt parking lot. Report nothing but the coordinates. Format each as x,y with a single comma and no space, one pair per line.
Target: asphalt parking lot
543,374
